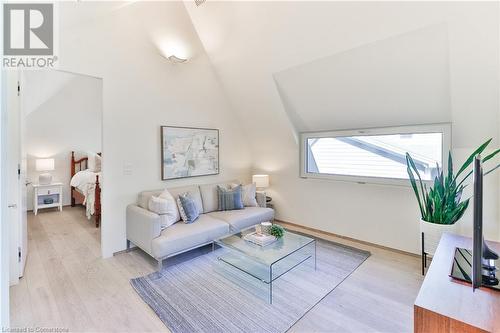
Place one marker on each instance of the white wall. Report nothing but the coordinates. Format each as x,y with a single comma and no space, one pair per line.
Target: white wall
142,90
66,118
249,42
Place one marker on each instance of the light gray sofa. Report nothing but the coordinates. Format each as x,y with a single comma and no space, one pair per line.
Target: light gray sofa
144,226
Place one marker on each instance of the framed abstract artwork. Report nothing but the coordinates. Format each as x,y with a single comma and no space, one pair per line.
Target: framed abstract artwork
189,152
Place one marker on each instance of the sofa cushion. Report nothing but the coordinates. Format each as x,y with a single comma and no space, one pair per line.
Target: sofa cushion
144,196
194,192
182,236
244,218
210,197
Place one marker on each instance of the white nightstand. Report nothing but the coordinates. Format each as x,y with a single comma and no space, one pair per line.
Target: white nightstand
43,192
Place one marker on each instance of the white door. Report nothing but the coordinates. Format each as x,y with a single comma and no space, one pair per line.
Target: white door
16,184
23,184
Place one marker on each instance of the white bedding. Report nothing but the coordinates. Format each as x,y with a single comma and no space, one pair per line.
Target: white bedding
84,182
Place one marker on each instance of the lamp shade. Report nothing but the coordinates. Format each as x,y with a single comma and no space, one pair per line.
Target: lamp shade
261,181
45,164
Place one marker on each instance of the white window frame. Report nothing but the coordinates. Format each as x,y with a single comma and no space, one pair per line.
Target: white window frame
444,128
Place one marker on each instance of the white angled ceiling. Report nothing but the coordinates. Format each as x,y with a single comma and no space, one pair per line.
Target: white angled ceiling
401,80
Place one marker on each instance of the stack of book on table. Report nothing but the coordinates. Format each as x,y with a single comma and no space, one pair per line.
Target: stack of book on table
260,238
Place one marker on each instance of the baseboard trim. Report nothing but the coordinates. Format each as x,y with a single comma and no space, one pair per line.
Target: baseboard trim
331,234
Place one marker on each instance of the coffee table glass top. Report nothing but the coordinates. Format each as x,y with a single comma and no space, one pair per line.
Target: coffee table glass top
269,254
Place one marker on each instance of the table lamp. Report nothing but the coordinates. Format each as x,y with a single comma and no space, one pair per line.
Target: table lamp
45,164
261,181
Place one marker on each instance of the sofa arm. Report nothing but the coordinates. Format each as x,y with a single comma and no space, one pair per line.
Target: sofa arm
261,199
142,227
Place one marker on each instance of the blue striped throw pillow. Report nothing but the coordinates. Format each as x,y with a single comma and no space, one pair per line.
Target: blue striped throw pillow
230,199
187,208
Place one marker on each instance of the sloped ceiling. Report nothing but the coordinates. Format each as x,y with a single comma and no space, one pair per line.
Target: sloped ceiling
84,12
288,66
40,86
403,80
292,66
395,54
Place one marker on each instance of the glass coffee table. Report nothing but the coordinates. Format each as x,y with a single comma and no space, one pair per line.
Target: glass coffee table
270,262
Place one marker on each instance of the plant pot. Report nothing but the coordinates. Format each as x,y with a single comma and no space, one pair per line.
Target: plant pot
266,227
432,234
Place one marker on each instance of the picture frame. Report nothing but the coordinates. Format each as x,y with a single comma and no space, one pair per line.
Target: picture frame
189,152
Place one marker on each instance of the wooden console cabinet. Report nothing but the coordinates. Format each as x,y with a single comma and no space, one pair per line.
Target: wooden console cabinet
447,305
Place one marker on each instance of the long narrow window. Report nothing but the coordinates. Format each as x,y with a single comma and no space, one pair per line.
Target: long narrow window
375,155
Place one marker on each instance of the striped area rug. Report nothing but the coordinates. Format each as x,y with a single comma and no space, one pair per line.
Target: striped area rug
207,295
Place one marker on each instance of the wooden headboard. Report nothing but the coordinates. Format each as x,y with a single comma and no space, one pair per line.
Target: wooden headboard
80,164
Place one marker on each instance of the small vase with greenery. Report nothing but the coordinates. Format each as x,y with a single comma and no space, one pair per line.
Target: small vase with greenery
277,231
442,203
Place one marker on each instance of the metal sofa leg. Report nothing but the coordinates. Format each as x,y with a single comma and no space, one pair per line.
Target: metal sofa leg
160,265
128,246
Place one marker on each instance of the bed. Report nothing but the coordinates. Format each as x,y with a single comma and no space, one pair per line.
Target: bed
85,187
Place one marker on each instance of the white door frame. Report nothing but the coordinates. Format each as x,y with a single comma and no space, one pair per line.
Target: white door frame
4,226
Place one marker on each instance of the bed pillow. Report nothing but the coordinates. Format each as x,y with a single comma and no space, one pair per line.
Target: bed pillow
98,163
230,199
94,162
81,178
187,208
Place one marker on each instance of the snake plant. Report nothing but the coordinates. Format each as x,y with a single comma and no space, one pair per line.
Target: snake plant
442,202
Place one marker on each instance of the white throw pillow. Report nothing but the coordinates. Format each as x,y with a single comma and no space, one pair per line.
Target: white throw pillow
165,206
248,195
173,212
158,205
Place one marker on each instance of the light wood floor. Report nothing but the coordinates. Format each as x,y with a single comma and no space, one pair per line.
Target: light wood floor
68,285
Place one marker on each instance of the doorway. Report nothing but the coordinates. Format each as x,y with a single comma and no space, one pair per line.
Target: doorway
56,162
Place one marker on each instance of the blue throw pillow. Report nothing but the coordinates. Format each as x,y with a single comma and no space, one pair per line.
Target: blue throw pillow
187,208
230,199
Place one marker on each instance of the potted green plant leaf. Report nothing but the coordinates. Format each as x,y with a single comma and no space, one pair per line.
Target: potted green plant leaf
441,204
277,231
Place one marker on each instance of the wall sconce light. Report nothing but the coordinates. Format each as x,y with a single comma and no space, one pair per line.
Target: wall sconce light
176,59
174,50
